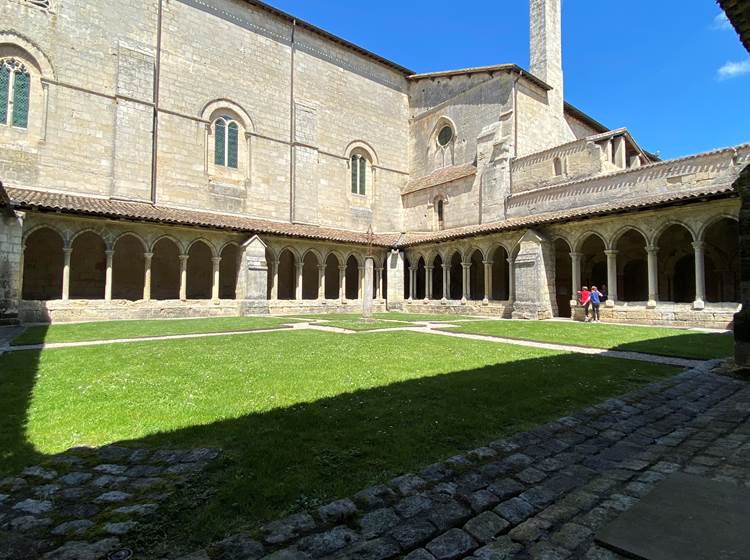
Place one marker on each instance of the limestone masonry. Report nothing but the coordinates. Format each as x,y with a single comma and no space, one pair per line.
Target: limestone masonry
171,158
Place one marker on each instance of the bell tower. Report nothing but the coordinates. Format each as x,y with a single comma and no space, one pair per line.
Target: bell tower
546,48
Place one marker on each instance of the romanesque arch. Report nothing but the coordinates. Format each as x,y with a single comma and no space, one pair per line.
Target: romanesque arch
310,276
722,261
199,271
128,268
407,278
165,270
287,275
43,265
476,276
88,264
420,280
593,261
500,274
437,278
564,288
333,285
632,266
676,270
456,277
352,278
228,271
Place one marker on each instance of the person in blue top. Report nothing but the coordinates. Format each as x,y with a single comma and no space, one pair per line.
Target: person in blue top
596,300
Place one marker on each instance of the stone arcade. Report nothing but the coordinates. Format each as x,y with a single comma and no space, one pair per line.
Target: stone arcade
178,158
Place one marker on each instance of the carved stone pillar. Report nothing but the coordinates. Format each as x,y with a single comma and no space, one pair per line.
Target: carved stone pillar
147,276
446,282
342,284
653,275
298,285
321,282
611,277
428,282
183,277
66,273
487,282
108,275
216,278
699,248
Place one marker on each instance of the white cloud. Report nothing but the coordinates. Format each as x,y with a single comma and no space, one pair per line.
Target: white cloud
721,22
734,69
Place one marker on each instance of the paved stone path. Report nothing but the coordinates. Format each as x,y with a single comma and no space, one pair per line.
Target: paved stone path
426,327
541,494
78,505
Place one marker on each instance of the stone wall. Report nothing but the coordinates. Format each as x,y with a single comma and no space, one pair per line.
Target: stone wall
11,259
713,316
742,319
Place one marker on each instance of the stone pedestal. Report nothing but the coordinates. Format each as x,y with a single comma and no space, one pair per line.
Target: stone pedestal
252,282
531,271
367,294
742,319
395,270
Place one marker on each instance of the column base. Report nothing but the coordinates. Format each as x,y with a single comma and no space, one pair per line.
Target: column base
485,301
609,303
651,304
699,304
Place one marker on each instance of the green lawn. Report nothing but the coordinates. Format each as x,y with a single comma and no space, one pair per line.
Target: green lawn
303,416
138,329
390,316
360,325
662,341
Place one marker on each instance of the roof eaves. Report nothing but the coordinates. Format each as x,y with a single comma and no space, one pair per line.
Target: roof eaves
738,12
483,70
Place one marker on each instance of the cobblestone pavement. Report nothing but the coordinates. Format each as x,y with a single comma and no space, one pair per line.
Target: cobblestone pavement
78,504
541,494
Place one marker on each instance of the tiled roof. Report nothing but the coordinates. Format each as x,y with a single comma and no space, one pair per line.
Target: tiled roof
572,214
91,206
738,12
440,177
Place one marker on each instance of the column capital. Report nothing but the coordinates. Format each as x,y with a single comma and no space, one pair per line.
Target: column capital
109,252
379,270
611,252
429,268
148,256
67,250
322,267
511,260
342,268
216,260
488,262
652,248
446,266
575,255
698,245
184,258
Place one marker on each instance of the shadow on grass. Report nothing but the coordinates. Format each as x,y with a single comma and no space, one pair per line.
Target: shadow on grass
305,454
700,346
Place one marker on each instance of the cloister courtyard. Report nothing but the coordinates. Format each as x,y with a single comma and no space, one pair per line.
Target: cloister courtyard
294,435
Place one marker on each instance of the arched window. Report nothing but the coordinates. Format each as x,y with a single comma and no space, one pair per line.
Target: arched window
226,144
359,173
15,92
558,167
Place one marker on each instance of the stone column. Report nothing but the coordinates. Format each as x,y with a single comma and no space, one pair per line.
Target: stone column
412,283
252,278
511,280
66,273
575,260
108,275
361,281
428,282
275,279
378,283
367,294
321,282
394,263
298,275
611,277
216,278
342,283
465,278
487,282
183,277
446,282
147,276
699,247
653,275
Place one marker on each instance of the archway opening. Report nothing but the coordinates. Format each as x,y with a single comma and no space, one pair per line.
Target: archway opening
723,261
332,277
476,276
456,276
407,278
310,276
165,270
420,282
563,278
287,275
43,266
128,269
199,271
352,278
593,262
88,265
228,271
500,275
632,267
384,295
676,269
437,277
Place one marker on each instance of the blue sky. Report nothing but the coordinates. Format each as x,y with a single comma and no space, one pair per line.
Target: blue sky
651,66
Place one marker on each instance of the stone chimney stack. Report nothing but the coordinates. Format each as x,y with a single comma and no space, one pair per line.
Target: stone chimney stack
546,48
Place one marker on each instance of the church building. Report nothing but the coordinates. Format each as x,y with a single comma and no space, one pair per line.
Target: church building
185,158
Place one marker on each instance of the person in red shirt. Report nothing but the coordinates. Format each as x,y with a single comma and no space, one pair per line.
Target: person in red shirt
584,299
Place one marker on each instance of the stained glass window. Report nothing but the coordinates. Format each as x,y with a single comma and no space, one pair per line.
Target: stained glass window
445,135
359,174
4,93
15,93
226,142
21,91
355,173
220,140
232,145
